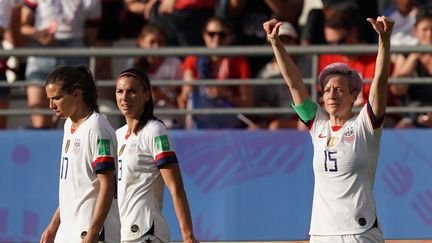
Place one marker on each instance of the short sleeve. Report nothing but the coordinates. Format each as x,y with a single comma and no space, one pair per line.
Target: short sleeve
104,150
159,144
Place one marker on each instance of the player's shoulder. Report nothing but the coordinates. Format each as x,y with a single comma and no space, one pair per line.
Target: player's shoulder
155,124
154,127
122,130
97,122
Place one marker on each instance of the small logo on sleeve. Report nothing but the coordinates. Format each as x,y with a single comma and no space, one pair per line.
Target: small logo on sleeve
162,143
103,146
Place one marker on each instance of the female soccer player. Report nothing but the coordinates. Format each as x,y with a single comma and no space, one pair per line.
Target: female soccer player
147,161
87,211
346,145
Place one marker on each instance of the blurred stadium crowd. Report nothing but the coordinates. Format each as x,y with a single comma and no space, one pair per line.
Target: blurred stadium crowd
211,24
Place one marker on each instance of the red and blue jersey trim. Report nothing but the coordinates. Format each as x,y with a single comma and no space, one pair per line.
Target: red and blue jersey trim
376,122
165,158
103,163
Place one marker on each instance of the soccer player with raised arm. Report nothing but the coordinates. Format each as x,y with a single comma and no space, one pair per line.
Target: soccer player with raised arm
346,145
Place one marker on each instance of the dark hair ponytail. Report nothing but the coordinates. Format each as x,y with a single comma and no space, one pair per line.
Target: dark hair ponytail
71,78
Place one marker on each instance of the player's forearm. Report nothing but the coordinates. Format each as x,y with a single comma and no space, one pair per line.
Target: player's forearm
55,221
290,73
181,207
383,61
378,92
103,203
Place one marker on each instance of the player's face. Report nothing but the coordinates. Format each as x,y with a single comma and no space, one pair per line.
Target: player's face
131,97
337,97
62,103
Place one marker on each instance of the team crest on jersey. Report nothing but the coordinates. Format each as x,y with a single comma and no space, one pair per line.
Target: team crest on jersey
104,146
133,147
67,145
348,135
162,143
76,145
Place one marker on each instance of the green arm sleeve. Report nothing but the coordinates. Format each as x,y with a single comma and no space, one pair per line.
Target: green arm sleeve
306,110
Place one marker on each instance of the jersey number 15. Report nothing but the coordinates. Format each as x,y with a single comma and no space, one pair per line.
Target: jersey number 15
329,160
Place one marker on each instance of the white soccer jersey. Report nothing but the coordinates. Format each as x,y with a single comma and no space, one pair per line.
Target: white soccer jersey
140,184
66,17
344,165
89,149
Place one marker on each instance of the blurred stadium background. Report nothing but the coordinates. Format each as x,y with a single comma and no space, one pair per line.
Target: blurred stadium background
243,186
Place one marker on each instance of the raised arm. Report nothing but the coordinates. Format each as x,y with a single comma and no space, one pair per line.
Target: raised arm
378,91
288,69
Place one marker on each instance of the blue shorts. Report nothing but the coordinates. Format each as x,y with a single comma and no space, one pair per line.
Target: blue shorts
39,67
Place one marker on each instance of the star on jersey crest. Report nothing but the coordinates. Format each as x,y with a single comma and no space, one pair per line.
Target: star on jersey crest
148,240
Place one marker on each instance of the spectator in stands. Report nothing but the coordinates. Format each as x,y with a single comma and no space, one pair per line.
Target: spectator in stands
88,210
277,95
132,19
62,24
403,12
216,32
161,68
417,65
247,17
147,163
108,32
5,16
358,10
340,29
177,17
134,16
14,39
